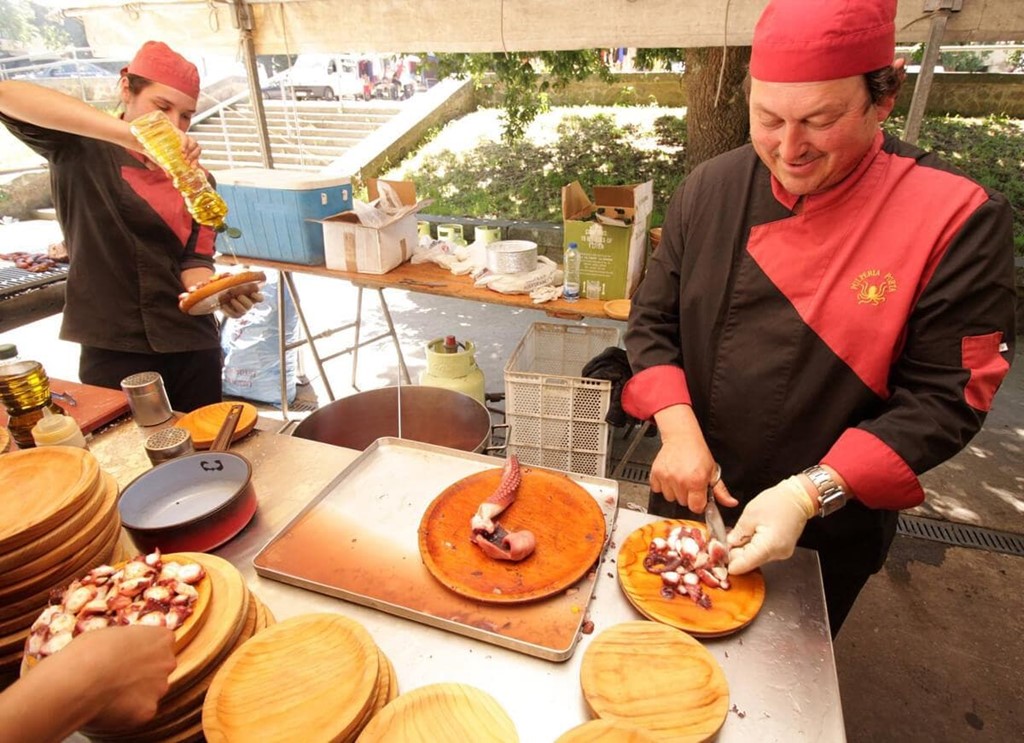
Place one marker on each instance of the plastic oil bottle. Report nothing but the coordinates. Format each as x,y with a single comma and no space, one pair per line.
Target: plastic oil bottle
57,430
162,141
571,268
25,393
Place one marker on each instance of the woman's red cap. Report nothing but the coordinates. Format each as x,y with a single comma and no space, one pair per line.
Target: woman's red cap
158,62
815,40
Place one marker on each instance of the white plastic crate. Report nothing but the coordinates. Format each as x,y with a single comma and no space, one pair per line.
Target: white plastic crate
556,416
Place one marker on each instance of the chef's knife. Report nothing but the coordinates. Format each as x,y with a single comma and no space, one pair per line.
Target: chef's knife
713,519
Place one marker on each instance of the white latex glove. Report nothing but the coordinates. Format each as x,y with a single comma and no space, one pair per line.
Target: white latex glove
238,306
770,525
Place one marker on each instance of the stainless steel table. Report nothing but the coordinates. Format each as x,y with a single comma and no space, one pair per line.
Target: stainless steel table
781,670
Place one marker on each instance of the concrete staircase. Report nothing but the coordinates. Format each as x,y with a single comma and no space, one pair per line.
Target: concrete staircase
304,135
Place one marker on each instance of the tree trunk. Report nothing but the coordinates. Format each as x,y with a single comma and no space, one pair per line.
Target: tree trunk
717,121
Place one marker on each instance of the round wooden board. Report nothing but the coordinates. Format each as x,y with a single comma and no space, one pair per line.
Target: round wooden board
221,289
225,617
204,423
101,510
99,497
5,439
441,712
566,520
606,731
331,665
656,678
41,488
730,610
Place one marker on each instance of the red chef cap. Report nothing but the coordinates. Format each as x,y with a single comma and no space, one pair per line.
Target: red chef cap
158,62
815,40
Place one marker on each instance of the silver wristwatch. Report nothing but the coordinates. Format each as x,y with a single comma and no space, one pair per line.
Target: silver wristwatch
831,497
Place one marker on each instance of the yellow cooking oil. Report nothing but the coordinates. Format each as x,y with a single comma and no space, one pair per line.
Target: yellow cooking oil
163,143
25,392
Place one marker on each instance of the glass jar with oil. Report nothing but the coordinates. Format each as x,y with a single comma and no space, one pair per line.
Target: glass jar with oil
25,393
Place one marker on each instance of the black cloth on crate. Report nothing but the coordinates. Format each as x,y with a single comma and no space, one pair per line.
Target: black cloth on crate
611,364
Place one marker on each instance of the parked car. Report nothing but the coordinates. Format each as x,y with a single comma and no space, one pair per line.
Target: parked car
66,69
325,76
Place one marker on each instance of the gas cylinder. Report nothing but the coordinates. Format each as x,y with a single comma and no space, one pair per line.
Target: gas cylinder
452,364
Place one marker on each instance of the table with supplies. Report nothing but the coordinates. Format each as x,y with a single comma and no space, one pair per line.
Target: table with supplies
772,680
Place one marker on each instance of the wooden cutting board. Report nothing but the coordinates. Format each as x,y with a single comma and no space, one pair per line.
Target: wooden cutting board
204,423
94,406
606,731
730,610
41,487
331,666
441,712
656,678
566,520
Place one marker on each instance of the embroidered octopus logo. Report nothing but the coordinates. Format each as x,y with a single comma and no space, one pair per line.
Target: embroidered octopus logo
871,287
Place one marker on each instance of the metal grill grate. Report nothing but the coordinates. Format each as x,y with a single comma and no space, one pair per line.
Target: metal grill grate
14,280
961,535
636,472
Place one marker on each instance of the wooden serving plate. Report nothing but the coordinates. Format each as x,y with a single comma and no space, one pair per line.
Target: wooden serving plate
41,488
331,664
606,731
204,423
655,678
730,610
441,712
220,289
566,520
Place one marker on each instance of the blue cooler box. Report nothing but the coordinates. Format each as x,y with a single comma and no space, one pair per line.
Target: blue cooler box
275,210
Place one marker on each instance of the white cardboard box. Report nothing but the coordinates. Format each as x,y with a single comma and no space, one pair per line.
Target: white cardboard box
350,245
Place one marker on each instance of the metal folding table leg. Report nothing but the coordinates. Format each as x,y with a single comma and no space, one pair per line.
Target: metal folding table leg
637,437
390,334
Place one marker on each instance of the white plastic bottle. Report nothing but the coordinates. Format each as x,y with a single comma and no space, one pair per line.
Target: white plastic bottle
571,269
58,430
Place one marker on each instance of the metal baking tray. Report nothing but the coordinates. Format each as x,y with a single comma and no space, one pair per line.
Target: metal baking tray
358,540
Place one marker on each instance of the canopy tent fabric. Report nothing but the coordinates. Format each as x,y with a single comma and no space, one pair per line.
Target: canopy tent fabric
293,26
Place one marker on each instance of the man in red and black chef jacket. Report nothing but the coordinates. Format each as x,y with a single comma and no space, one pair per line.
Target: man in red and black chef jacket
830,311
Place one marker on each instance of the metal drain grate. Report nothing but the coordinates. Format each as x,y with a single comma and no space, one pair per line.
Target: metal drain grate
961,535
634,472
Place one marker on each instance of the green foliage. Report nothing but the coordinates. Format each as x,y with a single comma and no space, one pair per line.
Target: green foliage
1015,60
16,20
990,150
522,180
654,59
520,77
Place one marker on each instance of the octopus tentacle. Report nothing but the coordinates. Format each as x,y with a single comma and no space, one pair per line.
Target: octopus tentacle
490,536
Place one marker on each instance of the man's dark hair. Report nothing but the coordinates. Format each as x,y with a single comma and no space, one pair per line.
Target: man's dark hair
884,82
137,83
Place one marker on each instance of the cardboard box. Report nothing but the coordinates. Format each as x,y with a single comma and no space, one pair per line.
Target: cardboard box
349,245
611,232
273,209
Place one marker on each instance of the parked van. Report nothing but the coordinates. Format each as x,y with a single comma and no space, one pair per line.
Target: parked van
325,76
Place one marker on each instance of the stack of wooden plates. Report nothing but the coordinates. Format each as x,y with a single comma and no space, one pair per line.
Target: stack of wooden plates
232,616
58,520
656,678
337,680
442,712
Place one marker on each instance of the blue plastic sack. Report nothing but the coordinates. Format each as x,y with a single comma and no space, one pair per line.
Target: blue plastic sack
252,364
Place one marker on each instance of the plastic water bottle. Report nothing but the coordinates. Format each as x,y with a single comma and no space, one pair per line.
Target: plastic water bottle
571,269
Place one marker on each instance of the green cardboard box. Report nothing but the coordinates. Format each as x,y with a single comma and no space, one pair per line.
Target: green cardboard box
611,233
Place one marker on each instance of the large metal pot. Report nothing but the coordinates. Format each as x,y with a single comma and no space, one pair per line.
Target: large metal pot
191,504
431,415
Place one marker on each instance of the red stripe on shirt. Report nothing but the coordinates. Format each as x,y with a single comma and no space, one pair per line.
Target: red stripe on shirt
655,389
875,474
157,190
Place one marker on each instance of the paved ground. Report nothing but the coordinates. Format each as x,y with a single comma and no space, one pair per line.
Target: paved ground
931,652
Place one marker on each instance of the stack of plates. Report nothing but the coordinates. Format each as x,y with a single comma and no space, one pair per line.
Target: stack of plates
656,678
232,616
58,520
337,680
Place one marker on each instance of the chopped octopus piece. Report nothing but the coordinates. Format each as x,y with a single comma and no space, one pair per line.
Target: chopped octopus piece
491,537
143,591
687,561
